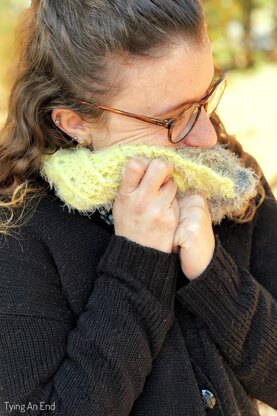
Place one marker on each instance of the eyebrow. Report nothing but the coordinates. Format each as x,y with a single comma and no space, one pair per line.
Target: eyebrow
179,107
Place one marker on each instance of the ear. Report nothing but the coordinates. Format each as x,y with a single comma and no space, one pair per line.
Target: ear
72,124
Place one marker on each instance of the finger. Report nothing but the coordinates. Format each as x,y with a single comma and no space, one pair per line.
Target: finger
132,174
175,208
193,200
193,206
158,172
168,191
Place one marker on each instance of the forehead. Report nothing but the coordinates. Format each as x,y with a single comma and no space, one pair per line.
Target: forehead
156,86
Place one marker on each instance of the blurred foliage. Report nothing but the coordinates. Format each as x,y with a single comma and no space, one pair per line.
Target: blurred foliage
9,11
243,32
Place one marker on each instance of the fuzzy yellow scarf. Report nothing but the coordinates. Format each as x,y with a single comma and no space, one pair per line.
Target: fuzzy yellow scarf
87,180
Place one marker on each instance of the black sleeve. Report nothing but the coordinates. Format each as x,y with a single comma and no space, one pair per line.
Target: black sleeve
96,365
264,243
239,307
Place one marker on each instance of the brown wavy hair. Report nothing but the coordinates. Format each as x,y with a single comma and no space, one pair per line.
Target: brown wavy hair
65,51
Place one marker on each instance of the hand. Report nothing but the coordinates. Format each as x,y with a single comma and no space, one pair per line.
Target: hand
194,238
146,209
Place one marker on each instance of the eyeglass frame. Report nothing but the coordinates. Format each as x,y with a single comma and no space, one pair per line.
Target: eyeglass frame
169,123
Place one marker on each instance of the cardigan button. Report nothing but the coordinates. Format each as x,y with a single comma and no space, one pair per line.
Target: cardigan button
208,398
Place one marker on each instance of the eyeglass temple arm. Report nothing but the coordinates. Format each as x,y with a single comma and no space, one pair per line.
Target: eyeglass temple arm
151,120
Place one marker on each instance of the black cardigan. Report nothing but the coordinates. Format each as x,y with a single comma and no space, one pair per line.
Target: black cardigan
93,324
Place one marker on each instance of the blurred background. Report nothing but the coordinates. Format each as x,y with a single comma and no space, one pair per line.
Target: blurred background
244,37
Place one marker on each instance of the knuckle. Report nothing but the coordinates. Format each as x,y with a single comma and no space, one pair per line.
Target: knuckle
161,164
135,165
156,213
199,199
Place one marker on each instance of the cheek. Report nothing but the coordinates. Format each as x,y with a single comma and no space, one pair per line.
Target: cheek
133,131
151,135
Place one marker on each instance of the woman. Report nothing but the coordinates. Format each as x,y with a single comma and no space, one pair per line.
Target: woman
159,312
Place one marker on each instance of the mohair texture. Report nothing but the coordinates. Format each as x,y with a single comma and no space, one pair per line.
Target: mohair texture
87,180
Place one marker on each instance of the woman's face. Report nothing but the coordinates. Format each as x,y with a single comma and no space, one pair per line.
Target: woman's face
155,88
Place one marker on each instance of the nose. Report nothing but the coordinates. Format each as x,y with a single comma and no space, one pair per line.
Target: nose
203,133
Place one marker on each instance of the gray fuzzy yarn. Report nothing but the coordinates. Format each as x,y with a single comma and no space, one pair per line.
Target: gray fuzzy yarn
227,164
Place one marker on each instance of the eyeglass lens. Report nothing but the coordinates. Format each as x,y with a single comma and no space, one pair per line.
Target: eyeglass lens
184,124
186,121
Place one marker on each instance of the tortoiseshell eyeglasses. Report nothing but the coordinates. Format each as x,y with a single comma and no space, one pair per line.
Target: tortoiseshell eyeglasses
180,126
